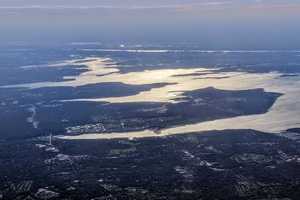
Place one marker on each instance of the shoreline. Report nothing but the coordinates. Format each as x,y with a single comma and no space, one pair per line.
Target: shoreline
281,116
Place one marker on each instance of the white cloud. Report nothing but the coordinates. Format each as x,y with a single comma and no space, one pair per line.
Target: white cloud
134,4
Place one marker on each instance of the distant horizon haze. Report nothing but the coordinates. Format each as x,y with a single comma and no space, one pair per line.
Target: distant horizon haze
220,24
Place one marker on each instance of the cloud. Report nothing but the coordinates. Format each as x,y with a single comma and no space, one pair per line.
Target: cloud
130,7
178,5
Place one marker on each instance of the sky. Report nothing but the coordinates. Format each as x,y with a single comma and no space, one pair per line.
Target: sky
214,24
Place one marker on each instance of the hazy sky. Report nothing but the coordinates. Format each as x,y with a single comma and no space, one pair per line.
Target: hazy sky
250,24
